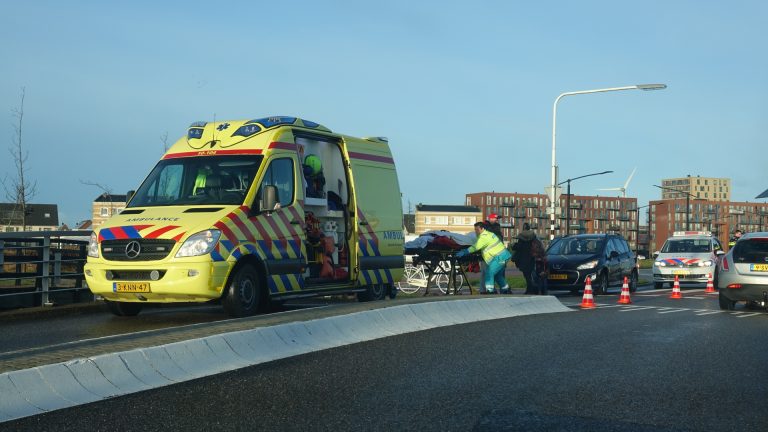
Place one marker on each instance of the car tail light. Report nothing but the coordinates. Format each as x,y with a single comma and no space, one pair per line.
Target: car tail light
734,286
725,264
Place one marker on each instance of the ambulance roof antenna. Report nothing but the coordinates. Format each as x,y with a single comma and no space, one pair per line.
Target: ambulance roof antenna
213,139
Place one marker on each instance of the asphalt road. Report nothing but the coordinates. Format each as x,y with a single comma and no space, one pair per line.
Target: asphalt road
656,365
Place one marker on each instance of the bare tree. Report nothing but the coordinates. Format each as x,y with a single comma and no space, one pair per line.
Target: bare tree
19,189
106,192
164,139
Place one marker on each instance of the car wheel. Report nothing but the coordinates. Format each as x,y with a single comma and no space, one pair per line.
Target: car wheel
658,285
601,287
633,282
243,295
124,308
726,303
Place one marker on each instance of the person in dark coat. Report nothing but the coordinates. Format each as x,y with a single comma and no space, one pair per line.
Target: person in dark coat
539,272
523,257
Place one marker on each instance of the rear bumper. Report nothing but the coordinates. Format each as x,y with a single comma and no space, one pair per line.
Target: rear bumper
746,293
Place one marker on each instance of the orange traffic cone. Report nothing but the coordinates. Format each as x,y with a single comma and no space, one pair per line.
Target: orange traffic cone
710,286
624,298
676,290
588,302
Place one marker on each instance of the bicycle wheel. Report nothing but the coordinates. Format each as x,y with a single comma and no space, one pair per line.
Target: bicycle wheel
441,280
407,288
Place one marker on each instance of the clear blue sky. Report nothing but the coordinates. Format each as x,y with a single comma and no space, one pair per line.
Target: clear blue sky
464,90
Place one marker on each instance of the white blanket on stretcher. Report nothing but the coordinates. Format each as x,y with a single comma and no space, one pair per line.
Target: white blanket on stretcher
423,240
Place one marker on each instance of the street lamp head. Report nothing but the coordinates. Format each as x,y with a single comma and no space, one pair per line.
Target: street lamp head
651,86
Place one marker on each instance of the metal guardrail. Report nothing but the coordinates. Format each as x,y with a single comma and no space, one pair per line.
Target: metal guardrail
43,268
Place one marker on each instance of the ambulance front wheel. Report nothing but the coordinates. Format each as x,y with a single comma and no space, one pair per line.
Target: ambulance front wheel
243,293
124,308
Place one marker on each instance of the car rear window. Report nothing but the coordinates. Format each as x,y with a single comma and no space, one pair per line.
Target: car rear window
751,251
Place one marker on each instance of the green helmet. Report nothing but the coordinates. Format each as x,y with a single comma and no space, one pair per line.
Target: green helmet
314,164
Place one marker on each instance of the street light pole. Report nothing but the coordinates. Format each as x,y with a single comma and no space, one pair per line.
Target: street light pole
568,199
553,192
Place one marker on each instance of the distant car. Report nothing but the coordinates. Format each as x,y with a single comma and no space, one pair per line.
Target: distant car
692,256
744,272
640,257
603,258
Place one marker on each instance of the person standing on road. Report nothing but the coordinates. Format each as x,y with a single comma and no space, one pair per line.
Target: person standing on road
493,225
539,271
523,257
495,256
736,236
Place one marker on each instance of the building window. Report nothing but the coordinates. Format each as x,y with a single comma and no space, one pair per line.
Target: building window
104,212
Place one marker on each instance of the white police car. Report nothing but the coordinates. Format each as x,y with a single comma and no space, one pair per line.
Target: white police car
692,256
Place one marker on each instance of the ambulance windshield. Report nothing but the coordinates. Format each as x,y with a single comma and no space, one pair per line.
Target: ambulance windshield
209,180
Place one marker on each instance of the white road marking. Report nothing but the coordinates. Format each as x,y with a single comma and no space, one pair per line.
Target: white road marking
709,313
749,315
673,311
635,308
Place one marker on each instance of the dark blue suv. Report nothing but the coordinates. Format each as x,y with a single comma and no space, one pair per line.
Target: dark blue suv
604,258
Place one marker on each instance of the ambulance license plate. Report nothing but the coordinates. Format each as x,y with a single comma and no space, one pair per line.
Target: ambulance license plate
758,267
557,276
680,272
131,287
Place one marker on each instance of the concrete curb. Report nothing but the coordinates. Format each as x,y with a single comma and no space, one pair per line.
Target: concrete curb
46,388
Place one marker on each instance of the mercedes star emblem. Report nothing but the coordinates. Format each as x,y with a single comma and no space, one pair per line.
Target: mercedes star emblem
132,249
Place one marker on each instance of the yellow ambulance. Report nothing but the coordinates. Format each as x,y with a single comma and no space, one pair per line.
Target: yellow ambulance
248,212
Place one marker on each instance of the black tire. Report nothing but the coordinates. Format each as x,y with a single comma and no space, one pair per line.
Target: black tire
658,285
244,293
373,292
726,303
124,308
601,286
633,282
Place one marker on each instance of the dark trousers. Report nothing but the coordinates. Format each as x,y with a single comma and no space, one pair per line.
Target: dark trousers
530,286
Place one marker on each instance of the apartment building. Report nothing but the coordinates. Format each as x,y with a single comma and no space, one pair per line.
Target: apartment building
588,214
454,218
707,188
718,217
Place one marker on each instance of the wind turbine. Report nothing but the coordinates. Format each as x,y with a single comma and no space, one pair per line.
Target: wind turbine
623,189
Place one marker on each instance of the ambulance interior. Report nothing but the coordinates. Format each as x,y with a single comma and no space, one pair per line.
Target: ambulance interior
325,205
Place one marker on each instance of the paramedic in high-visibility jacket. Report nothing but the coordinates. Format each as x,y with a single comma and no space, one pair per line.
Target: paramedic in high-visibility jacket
495,256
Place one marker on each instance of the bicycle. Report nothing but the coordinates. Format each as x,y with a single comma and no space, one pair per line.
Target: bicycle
416,278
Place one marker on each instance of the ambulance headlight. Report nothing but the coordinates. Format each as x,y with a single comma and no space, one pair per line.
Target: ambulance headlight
199,244
707,263
659,263
93,246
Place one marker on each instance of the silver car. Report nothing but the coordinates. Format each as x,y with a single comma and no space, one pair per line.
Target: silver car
743,272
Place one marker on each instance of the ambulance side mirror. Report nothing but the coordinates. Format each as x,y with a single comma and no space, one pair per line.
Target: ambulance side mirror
655,254
269,198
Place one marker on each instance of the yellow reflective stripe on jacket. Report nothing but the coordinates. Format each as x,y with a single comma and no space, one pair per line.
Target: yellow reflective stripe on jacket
488,244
